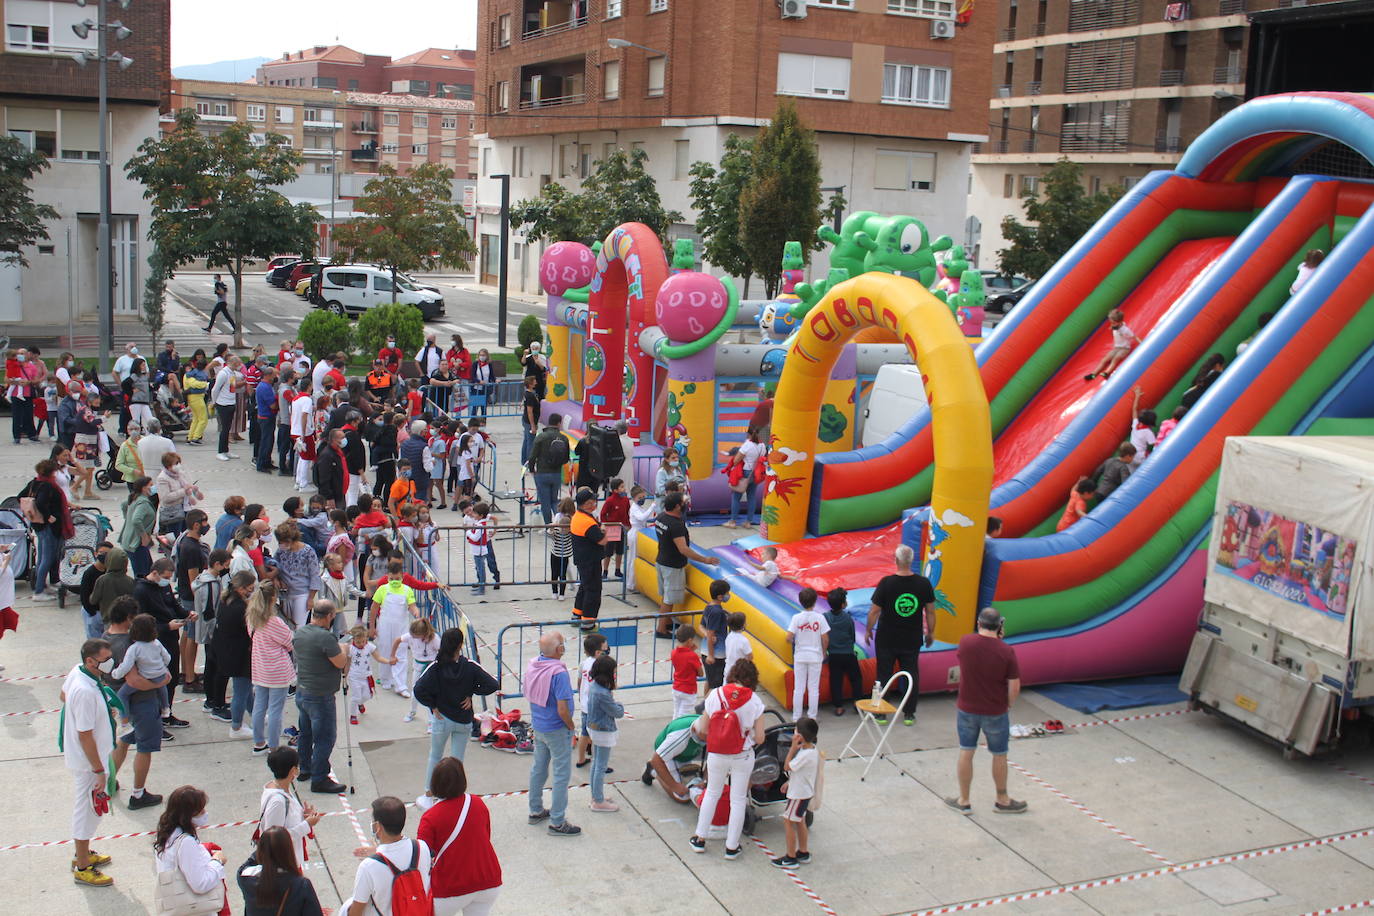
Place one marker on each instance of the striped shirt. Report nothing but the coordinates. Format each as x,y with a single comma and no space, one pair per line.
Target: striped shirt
272,666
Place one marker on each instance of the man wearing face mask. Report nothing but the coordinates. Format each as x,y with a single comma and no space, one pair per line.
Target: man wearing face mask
355,457
393,852
154,596
549,455
319,663
89,607
87,741
429,355
331,470
391,355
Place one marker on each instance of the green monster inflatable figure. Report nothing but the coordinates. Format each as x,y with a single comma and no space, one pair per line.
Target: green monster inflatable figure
582,293
903,247
845,251
684,255
971,293
792,264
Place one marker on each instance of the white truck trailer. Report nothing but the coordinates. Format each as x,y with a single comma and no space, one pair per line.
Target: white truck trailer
1285,644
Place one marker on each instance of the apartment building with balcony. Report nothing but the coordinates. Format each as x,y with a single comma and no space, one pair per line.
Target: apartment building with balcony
50,103
406,130
1120,87
893,88
312,120
439,72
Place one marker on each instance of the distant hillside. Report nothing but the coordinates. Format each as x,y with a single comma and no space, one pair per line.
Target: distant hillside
226,71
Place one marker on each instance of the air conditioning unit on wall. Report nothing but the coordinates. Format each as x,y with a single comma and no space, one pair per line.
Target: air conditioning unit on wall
942,28
793,9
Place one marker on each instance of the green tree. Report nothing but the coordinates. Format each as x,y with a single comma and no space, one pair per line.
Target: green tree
529,330
715,194
1055,220
411,224
213,197
21,220
619,190
403,321
155,295
782,201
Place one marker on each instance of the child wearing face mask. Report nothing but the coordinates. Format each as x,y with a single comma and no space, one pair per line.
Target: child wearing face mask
643,511
481,383
150,658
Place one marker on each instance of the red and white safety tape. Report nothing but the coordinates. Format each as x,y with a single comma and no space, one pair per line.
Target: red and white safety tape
1362,778
792,873
1089,812
31,677
1148,715
352,815
1140,875
1343,908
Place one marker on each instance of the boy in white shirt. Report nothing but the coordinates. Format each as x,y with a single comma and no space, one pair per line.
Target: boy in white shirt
803,766
808,633
372,887
737,645
765,573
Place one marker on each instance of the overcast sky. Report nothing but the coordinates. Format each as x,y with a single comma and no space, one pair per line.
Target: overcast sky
204,32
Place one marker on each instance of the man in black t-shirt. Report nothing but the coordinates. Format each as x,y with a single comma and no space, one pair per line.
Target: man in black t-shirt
192,557
674,550
903,612
529,417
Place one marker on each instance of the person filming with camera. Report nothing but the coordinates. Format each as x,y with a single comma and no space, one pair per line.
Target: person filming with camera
989,683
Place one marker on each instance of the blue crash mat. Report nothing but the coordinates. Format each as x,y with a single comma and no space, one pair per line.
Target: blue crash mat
1127,693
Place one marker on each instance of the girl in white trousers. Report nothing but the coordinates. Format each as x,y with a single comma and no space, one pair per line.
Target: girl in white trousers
737,767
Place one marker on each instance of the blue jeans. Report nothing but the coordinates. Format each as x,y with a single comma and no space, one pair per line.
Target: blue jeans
997,729
285,447
49,550
601,758
267,436
450,733
483,563
318,725
140,561
747,497
94,624
526,443
267,707
546,485
242,700
551,747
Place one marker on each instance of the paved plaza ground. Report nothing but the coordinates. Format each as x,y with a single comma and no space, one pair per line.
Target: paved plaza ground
1155,810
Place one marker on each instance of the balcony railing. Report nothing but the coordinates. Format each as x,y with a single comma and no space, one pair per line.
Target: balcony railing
1171,77
1166,144
554,29
364,127
1039,29
366,154
1033,87
315,151
1002,146
1232,7
322,125
1226,75
1009,34
1028,146
576,98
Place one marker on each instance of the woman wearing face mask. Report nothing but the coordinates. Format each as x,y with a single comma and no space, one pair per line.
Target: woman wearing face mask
140,519
669,469
187,872
271,665
482,376
137,393
241,560
87,432
19,390
195,383
175,494
441,382
382,455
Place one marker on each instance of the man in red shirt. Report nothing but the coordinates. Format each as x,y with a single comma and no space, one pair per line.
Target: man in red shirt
989,683
336,373
391,356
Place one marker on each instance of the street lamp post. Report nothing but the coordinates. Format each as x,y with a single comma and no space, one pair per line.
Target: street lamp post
104,262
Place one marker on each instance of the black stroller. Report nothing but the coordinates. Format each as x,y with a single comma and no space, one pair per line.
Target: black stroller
109,475
766,795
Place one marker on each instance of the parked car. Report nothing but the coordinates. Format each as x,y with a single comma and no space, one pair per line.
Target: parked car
351,289
280,260
1001,303
278,276
303,287
300,271
996,282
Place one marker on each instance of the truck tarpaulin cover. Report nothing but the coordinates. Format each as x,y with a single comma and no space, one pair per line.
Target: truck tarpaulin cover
1296,556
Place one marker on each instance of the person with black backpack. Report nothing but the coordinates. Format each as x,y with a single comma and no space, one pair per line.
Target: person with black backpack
549,455
394,877
733,717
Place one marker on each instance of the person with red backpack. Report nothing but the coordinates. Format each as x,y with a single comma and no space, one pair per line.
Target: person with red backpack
393,879
733,719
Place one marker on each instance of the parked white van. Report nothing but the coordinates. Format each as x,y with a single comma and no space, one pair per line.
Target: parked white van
895,398
351,289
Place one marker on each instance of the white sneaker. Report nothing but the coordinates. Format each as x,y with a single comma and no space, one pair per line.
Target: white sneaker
241,732
562,597
45,596
222,457
402,692
232,455
409,717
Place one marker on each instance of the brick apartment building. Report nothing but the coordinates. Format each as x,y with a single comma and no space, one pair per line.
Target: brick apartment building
50,103
1119,86
439,72
895,90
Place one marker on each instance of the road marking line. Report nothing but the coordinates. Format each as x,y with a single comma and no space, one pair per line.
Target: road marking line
268,328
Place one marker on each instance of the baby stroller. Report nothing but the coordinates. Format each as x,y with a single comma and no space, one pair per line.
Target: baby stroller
109,475
78,553
173,415
766,795
15,532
